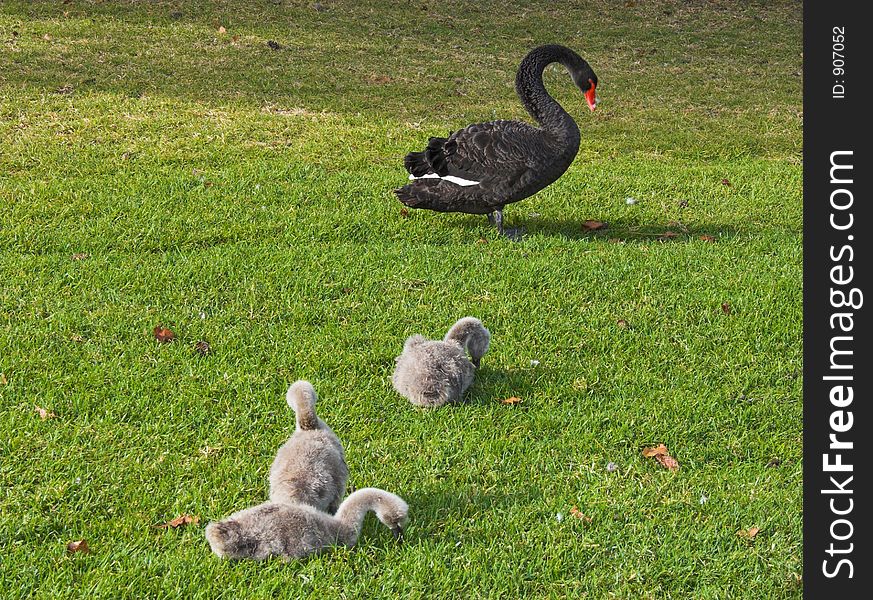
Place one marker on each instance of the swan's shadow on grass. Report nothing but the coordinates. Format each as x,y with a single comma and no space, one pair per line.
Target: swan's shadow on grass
618,230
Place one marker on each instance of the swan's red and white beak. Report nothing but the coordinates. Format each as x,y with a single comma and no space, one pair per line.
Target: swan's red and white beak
591,97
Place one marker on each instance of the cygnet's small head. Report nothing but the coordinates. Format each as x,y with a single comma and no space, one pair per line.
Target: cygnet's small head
472,335
392,511
301,395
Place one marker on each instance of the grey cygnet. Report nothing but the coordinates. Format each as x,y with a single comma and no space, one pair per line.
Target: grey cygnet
298,530
310,468
431,373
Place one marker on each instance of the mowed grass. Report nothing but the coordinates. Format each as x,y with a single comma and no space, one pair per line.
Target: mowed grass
154,170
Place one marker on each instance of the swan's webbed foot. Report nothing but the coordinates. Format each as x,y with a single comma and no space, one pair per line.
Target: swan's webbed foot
514,234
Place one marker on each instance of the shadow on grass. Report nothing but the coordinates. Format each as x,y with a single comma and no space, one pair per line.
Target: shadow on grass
622,231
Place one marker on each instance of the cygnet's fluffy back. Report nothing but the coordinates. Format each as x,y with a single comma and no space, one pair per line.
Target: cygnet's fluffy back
310,468
431,373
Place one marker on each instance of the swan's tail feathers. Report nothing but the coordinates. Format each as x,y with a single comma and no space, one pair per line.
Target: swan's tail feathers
432,160
436,156
416,164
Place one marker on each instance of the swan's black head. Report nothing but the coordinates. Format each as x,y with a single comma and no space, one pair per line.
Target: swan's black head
586,81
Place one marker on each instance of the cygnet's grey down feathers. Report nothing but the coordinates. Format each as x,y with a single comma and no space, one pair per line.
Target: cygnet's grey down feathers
297,530
432,373
310,468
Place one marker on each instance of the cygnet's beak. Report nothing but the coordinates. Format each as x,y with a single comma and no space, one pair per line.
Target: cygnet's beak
398,534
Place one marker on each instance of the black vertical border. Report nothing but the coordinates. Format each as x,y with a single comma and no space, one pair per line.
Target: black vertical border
832,124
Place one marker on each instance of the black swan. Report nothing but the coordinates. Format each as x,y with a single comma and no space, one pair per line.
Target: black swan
483,167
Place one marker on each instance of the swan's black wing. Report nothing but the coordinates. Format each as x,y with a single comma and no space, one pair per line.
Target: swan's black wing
481,152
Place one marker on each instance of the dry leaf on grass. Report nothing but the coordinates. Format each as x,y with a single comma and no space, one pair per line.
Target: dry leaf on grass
574,510
668,235
3,380
511,400
622,323
707,238
80,256
203,348
45,413
221,29
748,534
404,212
726,182
78,546
593,225
726,308
179,521
163,334
662,455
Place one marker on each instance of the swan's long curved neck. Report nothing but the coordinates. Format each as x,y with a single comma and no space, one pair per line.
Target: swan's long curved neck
536,99
350,516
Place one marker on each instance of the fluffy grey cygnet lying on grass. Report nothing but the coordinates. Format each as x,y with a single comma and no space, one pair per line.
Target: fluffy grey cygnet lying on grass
298,530
310,468
431,373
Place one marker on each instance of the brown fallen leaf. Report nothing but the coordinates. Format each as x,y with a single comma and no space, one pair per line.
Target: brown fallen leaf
184,519
3,380
592,225
511,400
726,308
80,256
726,182
221,29
77,338
235,39
655,450
404,212
44,413
379,79
662,455
773,462
683,204
482,241
47,37
622,323
707,238
203,348
163,334
668,235
574,510
748,534
78,546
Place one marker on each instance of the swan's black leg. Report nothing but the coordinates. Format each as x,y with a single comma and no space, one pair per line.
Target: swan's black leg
513,235
490,218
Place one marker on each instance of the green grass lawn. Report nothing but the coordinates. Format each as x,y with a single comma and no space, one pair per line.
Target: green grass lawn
157,170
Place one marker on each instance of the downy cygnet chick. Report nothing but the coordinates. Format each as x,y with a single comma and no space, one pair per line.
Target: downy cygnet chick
298,530
310,468
431,373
